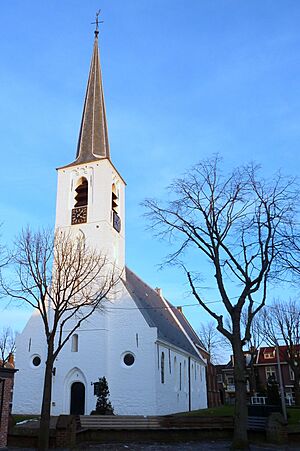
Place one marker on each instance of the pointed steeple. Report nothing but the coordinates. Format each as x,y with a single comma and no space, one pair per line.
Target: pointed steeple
93,136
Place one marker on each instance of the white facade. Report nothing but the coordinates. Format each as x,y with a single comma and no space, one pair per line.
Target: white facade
103,340
167,373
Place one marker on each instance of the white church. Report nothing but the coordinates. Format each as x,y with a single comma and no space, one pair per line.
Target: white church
144,346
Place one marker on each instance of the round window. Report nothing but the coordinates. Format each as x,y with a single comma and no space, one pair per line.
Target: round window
128,359
36,361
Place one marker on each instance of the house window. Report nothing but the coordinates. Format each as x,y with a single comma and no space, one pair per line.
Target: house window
162,368
270,372
292,374
219,378
230,380
74,346
175,373
269,355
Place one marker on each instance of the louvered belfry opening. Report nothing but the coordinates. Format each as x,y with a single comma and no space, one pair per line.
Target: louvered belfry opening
81,198
115,208
79,212
114,199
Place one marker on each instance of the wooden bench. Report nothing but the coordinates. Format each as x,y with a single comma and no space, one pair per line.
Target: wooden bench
257,423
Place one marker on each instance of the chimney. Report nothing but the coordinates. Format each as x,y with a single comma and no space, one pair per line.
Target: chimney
158,291
179,308
11,360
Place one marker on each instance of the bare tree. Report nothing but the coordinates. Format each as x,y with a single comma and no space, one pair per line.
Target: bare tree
236,222
213,341
281,322
291,257
66,282
7,345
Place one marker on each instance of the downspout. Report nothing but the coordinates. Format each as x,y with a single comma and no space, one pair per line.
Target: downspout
189,381
1,398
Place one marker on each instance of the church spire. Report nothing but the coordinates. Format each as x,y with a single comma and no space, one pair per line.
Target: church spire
93,136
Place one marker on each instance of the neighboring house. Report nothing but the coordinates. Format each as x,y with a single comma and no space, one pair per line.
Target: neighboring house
264,367
225,381
146,349
213,391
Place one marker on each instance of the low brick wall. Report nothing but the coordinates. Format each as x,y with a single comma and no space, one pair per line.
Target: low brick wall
6,384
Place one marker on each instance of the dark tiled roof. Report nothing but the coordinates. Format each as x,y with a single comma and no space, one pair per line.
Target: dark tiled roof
93,136
159,314
188,328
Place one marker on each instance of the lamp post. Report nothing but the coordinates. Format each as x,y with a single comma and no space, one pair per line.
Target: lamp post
281,383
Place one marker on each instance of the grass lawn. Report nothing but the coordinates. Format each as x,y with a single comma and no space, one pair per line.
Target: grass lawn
223,411
19,418
228,411
293,414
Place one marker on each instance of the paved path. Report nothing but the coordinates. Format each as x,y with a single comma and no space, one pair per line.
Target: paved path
188,446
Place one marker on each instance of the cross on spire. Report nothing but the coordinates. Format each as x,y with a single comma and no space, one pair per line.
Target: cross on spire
97,23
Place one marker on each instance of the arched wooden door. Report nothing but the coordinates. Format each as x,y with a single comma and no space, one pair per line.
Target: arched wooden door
77,398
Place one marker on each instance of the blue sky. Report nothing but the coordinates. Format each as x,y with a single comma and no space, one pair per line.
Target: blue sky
182,80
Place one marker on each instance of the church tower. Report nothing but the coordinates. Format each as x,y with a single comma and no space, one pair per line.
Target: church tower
91,192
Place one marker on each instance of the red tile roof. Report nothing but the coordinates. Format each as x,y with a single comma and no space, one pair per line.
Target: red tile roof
263,359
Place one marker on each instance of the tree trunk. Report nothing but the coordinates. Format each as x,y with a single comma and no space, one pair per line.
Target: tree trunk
46,402
240,437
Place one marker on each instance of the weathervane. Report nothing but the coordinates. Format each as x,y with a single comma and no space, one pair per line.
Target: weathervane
97,22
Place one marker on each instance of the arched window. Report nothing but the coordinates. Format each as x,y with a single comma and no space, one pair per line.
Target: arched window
180,377
162,368
74,347
81,196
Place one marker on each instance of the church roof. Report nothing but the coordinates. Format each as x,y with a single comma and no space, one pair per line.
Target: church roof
93,141
162,314
188,328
